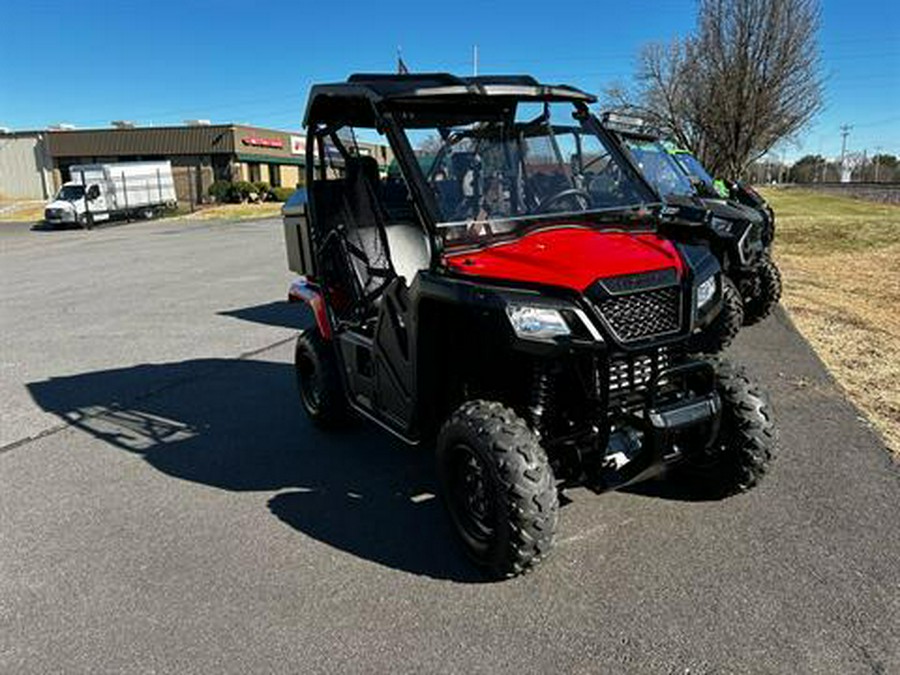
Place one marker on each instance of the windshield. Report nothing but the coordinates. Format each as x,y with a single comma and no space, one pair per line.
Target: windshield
499,174
659,168
70,193
694,168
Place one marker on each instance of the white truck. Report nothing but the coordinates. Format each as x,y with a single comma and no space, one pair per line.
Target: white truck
98,192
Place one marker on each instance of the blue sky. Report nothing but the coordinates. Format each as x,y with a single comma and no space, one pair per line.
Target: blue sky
160,62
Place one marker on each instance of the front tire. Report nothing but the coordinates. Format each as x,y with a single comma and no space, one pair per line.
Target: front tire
498,487
767,292
318,380
739,457
724,328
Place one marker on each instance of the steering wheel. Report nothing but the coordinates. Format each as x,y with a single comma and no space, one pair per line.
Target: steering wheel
559,196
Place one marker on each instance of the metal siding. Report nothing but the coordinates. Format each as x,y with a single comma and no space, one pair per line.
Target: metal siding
198,140
24,167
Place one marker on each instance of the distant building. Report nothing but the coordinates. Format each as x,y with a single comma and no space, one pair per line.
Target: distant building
200,153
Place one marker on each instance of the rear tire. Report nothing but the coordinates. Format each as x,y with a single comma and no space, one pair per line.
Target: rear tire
739,457
767,292
498,487
724,328
318,380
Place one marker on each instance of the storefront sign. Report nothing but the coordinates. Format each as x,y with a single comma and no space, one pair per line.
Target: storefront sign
260,142
298,145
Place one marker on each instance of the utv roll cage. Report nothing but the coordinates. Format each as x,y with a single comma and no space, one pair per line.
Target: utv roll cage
356,101
390,103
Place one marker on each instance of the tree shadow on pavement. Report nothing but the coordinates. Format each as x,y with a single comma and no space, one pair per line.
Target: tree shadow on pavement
237,425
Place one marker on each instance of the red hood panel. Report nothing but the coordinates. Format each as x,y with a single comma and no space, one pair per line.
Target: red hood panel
571,257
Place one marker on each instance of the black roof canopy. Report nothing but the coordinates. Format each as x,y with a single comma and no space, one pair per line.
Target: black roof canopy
355,101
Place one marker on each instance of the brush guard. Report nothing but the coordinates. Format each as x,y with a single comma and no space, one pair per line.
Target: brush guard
642,444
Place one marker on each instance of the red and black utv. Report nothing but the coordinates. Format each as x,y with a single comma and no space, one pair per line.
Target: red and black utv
506,297
739,235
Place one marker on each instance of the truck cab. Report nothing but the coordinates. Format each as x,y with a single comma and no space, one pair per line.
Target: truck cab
78,204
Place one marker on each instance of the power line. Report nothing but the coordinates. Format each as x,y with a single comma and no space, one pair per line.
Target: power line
878,123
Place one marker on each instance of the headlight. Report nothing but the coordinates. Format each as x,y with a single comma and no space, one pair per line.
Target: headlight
721,225
536,323
706,291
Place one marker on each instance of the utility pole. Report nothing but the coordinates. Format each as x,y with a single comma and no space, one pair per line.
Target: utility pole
877,160
845,131
475,60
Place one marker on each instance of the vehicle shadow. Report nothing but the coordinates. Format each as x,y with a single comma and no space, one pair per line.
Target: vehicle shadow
669,487
276,313
41,226
236,425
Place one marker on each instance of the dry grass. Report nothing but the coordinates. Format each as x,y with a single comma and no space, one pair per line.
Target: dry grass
21,211
839,258
33,211
236,211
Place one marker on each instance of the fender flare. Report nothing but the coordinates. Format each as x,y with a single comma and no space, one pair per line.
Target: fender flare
304,290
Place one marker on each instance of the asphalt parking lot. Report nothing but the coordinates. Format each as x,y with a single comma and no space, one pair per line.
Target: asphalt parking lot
165,507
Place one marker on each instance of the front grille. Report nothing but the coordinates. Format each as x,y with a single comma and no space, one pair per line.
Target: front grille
642,315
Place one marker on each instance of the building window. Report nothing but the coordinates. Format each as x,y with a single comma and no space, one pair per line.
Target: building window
274,175
253,171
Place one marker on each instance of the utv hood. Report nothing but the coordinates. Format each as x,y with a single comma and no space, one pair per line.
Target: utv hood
569,257
733,211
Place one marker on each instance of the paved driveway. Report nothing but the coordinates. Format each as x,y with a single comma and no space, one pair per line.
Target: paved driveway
165,507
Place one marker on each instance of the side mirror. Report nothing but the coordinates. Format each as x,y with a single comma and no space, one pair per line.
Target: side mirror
93,192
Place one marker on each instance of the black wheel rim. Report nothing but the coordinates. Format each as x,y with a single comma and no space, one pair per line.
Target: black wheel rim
470,494
308,380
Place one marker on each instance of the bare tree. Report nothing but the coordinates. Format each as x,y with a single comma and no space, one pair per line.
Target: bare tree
748,79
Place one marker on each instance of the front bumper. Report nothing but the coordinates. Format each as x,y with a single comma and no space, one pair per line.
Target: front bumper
663,432
60,217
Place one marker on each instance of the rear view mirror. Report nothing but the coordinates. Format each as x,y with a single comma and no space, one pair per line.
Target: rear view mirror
93,192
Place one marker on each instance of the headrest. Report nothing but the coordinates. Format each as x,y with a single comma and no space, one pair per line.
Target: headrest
463,161
362,167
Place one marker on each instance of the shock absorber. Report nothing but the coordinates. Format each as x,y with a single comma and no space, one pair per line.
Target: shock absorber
542,398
